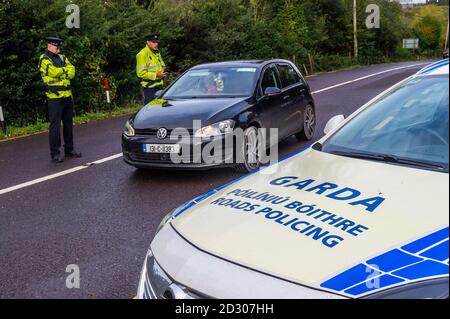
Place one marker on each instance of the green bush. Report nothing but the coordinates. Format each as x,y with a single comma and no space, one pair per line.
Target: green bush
404,54
333,62
428,29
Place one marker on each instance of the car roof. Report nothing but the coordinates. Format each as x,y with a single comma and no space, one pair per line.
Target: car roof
241,63
437,68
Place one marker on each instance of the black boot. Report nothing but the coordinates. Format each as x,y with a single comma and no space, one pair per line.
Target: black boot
57,158
73,153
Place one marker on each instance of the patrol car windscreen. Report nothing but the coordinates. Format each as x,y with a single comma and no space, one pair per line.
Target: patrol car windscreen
409,125
213,83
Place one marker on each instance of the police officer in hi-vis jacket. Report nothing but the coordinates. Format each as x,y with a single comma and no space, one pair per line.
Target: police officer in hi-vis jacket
150,68
57,71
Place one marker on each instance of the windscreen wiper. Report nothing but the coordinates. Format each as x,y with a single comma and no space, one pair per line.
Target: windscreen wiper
419,163
387,158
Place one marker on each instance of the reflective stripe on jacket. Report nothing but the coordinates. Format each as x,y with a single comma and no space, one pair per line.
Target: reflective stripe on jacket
56,78
148,64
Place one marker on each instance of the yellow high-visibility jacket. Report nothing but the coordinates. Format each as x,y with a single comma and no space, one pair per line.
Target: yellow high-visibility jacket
148,64
57,78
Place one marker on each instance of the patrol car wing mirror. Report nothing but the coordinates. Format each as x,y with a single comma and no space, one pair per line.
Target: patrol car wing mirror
159,93
333,123
270,91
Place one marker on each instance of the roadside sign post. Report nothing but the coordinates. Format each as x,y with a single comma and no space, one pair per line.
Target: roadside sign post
411,44
2,121
108,98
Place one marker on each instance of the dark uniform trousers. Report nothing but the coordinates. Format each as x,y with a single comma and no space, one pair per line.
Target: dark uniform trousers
149,93
60,109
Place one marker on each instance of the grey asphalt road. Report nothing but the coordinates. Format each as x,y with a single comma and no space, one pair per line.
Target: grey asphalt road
102,218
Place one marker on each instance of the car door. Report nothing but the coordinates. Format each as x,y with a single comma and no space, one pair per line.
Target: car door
269,106
293,98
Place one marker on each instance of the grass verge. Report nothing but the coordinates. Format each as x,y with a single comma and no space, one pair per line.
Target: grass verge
41,126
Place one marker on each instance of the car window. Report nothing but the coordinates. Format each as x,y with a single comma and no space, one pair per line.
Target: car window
270,79
410,122
214,82
288,75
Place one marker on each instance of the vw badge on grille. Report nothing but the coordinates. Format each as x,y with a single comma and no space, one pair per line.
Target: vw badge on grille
162,133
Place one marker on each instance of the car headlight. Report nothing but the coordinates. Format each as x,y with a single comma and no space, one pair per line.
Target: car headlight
166,219
182,208
154,281
220,128
128,129
428,289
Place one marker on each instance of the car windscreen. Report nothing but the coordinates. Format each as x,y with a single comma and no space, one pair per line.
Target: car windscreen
408,125
213,82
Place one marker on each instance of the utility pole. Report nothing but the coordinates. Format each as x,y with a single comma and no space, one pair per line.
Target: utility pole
446,38
355,31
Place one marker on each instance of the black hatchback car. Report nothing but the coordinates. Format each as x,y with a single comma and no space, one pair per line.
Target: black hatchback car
188,125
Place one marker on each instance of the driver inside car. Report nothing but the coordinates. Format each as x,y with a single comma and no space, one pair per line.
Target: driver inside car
213,84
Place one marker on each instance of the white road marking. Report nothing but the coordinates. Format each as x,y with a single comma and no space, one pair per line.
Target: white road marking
42,179
112,157
106,159
59,174
366,77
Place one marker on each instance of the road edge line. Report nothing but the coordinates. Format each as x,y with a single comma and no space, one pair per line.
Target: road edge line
366,77
56,175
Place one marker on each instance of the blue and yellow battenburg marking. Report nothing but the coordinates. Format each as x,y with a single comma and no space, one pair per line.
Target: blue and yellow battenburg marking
423,258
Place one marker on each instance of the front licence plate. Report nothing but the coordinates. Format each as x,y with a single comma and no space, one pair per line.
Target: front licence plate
161,148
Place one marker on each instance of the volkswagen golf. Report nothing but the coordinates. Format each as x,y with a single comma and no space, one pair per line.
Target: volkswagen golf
188,125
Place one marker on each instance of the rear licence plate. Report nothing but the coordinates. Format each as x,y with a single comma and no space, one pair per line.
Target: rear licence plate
161,148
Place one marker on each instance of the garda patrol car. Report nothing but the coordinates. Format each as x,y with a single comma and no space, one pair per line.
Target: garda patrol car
363,213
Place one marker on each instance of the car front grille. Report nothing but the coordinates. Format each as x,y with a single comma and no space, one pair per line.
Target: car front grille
146,132
157,158
174,291
153,132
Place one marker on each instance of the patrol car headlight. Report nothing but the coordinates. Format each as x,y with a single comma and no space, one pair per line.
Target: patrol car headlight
165,220
428,289
128,129
217,129
174,213
154,281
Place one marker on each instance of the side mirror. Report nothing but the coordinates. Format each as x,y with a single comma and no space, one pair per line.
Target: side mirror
333,123
270,91
159,93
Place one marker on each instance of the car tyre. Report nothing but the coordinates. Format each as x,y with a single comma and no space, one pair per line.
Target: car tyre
249,151
309,124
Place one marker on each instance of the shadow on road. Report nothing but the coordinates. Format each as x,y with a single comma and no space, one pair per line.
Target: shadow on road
166,175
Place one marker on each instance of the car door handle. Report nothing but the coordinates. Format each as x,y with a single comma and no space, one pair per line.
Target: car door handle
286,97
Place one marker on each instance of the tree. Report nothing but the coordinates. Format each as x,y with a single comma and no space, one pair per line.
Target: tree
428,29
